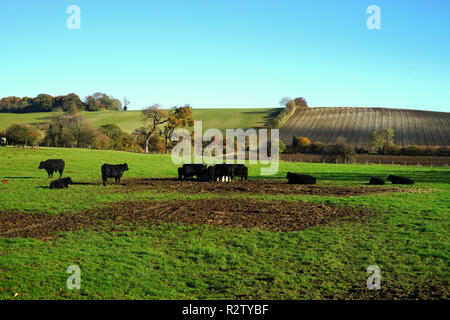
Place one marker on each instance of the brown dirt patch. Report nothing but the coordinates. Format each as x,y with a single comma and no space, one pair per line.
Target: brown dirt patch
40,226
255,187
233,213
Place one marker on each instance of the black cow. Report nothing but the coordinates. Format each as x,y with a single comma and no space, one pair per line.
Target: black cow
208,175
53,165
188,171
113,171
400,180
223,171
377,181
296,178
61,183
240,170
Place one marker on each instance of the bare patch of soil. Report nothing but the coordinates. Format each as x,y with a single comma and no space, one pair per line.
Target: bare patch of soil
270,187
233,213
39,226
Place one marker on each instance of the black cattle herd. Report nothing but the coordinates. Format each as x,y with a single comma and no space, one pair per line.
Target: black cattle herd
201,172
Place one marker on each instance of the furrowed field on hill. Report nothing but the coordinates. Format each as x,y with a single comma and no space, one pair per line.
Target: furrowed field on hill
411,127
163,239
130,120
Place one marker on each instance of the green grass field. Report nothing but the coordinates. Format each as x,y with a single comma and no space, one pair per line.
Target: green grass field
130,120
408,238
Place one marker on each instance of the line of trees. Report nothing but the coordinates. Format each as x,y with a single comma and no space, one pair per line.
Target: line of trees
290,106
381,142
71,103
71,131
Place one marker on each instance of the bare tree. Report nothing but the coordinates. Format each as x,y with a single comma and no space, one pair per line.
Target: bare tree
126,102
152,117
284,101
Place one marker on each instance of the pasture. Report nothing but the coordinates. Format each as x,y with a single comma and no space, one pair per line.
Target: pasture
153,237
128,121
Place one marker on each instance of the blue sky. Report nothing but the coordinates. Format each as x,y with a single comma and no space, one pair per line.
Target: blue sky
227,53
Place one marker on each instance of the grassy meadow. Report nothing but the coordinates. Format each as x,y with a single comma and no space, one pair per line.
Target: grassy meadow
407,238
130,120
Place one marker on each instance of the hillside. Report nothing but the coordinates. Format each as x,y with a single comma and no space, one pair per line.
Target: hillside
411,127
212,118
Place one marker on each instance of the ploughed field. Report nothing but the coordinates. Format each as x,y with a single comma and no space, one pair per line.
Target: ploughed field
411,127
154,237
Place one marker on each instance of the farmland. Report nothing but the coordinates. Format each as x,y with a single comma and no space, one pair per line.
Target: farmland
411,127
153,237
130,120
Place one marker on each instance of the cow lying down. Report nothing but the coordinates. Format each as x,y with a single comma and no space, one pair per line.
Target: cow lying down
400,180
296,178
61,183
377,181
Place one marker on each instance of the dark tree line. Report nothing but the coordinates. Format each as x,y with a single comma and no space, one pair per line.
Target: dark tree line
69,103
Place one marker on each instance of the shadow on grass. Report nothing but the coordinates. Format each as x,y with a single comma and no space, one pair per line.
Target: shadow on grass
21,178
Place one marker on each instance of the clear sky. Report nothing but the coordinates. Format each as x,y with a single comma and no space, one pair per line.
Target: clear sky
230,53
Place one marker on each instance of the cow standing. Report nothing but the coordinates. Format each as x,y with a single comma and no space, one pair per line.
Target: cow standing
188,171
53,165
223,171
113,171
240,170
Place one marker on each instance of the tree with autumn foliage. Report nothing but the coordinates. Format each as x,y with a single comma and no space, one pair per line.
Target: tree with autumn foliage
152,117
178,117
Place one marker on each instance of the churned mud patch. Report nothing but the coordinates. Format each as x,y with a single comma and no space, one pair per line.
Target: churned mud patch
39,226
276,216
255,187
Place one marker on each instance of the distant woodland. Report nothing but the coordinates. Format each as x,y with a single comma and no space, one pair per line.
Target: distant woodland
69,103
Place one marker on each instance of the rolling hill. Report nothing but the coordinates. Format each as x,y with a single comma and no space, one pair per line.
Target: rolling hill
128,121
411,127
325,124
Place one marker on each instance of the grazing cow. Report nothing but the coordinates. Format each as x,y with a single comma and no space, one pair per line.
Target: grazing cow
241,171
378,181
188,171
113,171
208,175
223,171
61,183
296,178
53,165
400,180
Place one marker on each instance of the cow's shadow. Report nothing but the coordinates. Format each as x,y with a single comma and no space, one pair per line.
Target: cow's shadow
87,183
12,178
